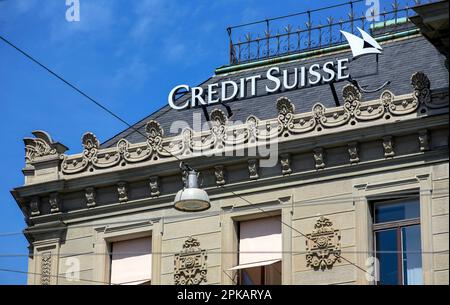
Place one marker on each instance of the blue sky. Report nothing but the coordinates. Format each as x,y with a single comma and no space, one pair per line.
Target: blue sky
127,54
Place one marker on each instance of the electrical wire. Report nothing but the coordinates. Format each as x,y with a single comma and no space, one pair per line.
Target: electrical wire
205,214
218,252
50,275
131,126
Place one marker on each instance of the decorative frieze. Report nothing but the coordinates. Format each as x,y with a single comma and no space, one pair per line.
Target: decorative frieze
319,157
190,264
388,146
154,186
424,141
89,194
253,168
34,206
353,152
219,173
323,247
285,161
222,135
46,268
54,203
122,191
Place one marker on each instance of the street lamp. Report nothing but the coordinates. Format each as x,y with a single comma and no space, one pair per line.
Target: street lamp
191,198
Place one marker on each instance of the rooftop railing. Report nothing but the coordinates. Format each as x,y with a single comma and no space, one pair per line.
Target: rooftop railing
278,36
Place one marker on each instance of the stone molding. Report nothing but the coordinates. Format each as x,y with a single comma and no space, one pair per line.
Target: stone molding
288,126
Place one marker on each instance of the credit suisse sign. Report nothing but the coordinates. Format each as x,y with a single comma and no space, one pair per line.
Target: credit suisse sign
277,79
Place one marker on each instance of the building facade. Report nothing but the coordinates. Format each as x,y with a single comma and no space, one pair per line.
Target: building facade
312,183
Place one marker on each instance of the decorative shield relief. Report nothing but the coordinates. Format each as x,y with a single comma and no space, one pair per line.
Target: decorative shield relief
323,247
190,264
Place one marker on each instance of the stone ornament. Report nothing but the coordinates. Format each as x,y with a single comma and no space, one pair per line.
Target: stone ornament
388,146
253,169
424,141
54,203
285,161
154,186
353,152
34,206
286,111
46,268
41,146
89,194
352,100
222,135
323,246
219,173
319,157
122,191
421,86
190,264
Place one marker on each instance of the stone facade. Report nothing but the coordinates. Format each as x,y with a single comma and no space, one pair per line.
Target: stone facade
332,161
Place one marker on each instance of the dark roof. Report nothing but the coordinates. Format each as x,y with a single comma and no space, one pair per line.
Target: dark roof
400,59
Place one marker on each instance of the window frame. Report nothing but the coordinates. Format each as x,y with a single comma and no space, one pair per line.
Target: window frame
237,223
398,225
110,246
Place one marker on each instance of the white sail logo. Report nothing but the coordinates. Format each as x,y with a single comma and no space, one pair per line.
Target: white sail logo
362,46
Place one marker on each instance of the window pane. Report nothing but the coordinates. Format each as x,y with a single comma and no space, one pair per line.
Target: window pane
273,274
412,256
398,210
386,242
252,276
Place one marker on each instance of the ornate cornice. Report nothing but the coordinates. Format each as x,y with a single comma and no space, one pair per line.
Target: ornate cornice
287,126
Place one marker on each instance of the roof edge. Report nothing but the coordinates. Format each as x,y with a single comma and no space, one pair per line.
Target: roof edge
282,59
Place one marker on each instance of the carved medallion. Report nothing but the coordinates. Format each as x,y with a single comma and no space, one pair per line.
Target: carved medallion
323,246
190,264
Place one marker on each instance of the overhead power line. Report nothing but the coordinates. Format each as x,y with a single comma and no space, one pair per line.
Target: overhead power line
130,126
201,215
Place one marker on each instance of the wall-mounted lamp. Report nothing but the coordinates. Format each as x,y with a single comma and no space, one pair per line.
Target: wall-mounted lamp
191,198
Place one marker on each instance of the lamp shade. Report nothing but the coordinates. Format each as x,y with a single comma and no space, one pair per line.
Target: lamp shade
191,198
